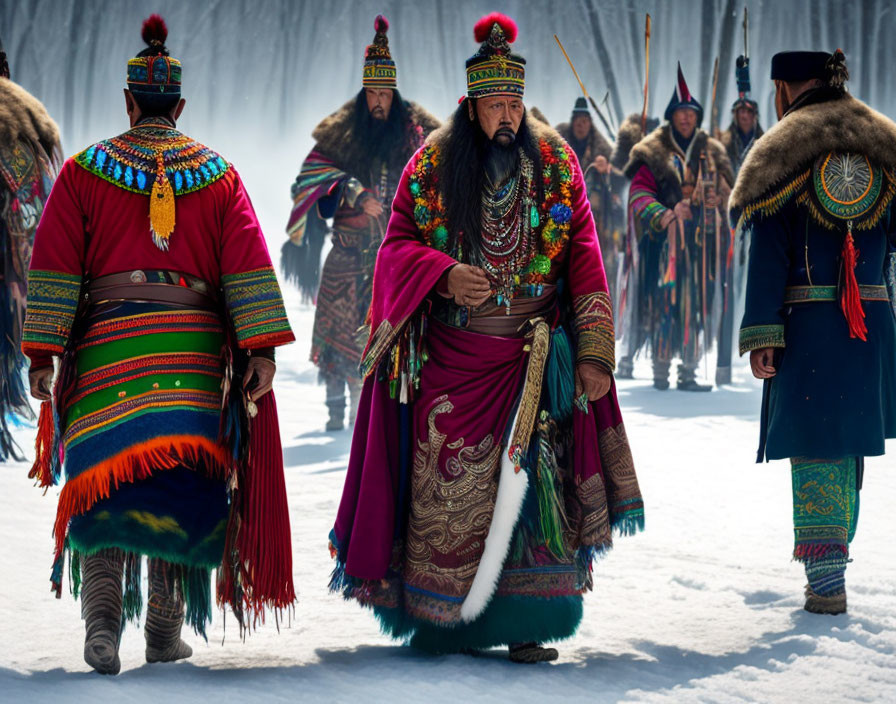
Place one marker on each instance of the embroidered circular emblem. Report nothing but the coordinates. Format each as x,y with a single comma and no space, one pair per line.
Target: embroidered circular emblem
846,185
138,277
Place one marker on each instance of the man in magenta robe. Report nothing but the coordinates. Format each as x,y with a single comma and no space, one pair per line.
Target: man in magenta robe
489,462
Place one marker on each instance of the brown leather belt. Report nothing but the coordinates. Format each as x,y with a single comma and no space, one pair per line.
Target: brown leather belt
155,286
492,319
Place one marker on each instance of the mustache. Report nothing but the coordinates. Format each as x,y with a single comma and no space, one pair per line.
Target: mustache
505,132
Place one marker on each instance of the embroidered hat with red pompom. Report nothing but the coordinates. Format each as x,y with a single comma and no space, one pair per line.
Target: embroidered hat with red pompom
494,70
379,68
153,71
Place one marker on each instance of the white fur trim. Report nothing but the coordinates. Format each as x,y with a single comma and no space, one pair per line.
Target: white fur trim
508,506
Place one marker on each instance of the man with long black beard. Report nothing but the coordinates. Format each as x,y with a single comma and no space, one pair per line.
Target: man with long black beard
489,463
350,176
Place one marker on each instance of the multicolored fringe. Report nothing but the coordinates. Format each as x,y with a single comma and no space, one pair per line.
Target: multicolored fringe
256,308
404,362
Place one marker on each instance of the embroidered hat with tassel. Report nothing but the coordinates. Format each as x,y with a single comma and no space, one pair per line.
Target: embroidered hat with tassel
154,78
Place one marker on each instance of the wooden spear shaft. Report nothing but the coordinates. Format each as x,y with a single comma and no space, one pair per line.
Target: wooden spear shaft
646,74
585,92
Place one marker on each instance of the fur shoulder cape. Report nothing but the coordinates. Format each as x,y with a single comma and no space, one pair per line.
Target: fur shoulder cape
791,146
727,137
597,143
655,151
23,115
627,136
336,130
540,131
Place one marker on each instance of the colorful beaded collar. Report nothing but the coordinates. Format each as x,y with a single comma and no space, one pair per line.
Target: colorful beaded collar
156,160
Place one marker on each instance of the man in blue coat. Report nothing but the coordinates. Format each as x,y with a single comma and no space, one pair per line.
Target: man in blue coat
819,325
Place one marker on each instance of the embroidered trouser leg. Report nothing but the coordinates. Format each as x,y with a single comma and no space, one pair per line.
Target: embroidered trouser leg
164,614
101,608
825,516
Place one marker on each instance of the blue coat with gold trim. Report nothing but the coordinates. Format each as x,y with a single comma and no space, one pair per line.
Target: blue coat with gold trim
816,191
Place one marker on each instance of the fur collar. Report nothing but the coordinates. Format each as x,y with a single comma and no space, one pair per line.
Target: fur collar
727,137
336,130
23,115
541,131
627,136
655,152
597,144
842,125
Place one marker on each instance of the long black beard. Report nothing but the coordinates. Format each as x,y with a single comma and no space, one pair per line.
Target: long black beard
379,141
502,161
467,157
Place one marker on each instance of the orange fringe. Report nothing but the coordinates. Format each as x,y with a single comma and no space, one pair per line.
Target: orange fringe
42,469
137,462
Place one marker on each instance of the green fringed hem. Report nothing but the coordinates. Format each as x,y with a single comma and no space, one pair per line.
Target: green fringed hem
758,337
507,619
131,537
628,522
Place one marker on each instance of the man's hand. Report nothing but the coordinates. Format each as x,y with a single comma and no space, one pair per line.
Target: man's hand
762,363
259,377
683,210
41,381
372,207
667,219
468,285
592,380
601,164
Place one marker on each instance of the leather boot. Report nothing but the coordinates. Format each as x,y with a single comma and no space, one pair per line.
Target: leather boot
625,368
660,374
101,607
336,404
687,379
530,653
164,615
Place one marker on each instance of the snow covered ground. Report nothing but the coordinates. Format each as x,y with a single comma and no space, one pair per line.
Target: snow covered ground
705,606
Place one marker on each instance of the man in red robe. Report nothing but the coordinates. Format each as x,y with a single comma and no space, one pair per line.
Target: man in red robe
489,462
151,280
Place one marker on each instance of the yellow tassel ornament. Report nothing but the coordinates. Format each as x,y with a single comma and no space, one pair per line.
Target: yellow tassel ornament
161,206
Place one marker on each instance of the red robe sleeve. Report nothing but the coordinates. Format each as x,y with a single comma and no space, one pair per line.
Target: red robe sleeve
251,291
592,308
56,271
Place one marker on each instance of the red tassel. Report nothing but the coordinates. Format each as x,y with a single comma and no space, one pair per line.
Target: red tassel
264,541
42,469
851,299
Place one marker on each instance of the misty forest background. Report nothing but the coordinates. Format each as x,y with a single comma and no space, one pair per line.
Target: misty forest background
260,74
